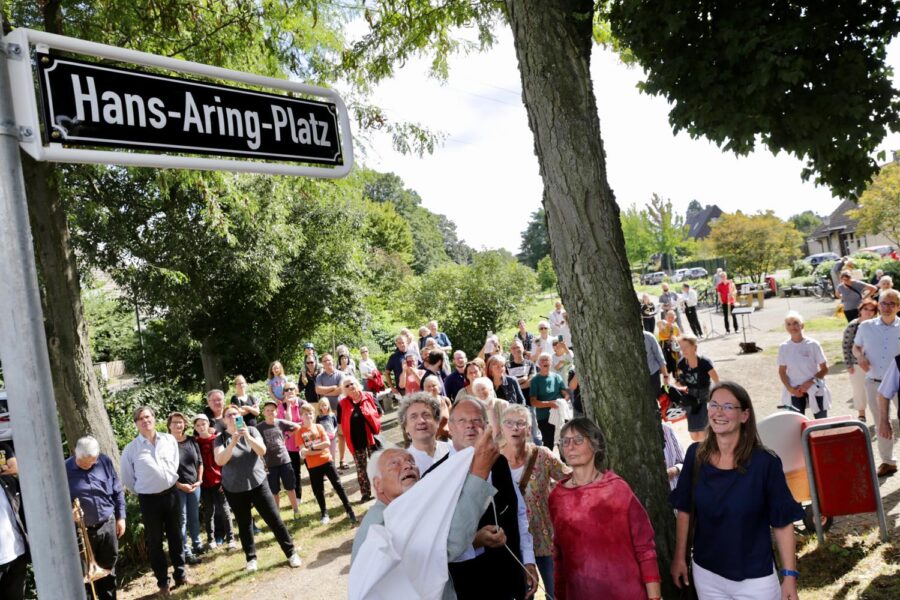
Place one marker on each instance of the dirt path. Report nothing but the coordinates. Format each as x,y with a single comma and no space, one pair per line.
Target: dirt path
327,563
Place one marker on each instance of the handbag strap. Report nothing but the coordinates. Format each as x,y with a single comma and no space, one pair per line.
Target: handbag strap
695,474
529,469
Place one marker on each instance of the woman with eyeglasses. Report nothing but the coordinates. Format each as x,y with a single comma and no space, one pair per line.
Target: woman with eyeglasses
731,497
360,421
868,309
239,451
603,540
535,470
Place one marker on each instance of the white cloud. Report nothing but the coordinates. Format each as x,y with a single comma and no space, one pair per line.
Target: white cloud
485,177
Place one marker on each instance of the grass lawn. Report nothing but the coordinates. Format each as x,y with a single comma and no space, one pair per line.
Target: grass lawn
222,568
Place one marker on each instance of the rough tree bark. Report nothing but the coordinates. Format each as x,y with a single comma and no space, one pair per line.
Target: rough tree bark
213,370
553,44
75,387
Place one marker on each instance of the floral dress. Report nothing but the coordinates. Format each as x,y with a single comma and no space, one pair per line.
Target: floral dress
548,469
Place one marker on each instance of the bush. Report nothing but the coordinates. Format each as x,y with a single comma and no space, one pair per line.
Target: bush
470,300
545,273
163,399
801,268
890,267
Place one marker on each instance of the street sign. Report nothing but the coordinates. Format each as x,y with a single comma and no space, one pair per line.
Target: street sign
96,112
89,104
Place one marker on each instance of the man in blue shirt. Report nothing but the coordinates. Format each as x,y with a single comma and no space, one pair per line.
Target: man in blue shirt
93,480
439,336
876,344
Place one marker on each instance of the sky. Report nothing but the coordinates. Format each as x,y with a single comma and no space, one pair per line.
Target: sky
485,175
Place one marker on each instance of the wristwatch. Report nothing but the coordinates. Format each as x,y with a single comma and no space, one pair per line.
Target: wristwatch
790,573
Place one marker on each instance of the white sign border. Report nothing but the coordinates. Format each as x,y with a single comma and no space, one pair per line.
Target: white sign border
28,115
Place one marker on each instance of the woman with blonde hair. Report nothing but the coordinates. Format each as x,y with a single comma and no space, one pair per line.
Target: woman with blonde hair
276,381
696,375
535,470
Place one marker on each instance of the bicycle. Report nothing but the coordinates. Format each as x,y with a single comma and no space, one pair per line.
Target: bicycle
706,298
823,288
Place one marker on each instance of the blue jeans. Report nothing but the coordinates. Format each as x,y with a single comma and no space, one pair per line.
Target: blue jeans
190,519
545,568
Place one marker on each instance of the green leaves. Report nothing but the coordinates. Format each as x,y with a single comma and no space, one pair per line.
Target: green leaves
879,205
754,244
805,77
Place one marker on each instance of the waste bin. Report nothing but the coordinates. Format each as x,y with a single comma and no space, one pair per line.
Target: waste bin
841,469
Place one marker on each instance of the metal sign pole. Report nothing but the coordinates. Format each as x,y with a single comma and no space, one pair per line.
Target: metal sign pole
26,370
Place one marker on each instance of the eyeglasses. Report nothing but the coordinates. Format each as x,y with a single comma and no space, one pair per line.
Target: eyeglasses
515,424
426,416
543,328
727,407
476,422
347,386
310,362
575,440
888,304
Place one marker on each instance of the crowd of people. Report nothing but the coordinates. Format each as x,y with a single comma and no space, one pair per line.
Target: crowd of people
536,458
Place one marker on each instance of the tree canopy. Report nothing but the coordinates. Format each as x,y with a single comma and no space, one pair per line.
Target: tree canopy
754,244
535,240
879,205
805,77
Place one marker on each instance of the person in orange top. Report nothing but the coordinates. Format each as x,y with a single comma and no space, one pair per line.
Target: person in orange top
312,439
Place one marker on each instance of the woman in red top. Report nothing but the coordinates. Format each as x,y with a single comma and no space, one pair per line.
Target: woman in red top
214,511
358,415
603,543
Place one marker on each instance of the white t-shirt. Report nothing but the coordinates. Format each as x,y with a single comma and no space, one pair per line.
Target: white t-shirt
423,461
802,359
366,367
12,545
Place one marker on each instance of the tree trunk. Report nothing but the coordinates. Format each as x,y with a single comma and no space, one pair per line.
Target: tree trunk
553,45
213,371
75,387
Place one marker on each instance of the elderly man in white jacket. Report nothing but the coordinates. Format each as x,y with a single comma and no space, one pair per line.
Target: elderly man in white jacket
395,541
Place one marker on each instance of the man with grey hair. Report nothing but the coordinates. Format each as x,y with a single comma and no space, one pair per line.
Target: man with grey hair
439,336
876,344
93,481
418,416
215,409
491,567
393,471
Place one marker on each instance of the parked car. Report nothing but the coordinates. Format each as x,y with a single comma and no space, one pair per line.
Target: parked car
681,274
699,273
653,278
886,251
816,259
5,425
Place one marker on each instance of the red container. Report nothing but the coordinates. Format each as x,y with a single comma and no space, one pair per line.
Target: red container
840,462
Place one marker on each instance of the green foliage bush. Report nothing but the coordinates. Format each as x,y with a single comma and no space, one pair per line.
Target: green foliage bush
163,399
470,300
890,267
801,268
545,274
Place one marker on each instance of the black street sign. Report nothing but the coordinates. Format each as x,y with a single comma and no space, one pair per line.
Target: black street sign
90,104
